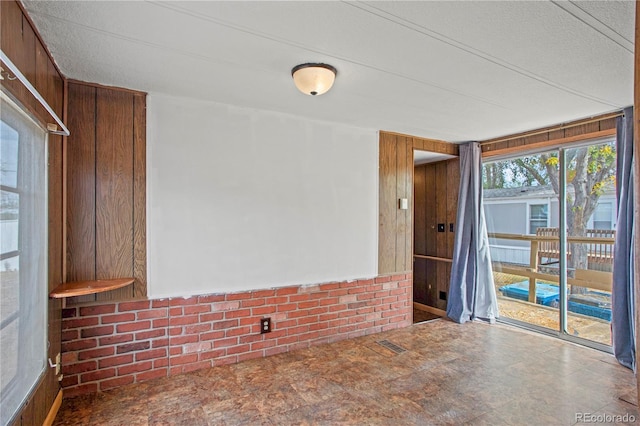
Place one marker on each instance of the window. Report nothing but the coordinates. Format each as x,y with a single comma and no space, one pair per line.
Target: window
23,257
602,216
538,217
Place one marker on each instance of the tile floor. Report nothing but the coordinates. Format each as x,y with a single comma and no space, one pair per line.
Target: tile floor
449,374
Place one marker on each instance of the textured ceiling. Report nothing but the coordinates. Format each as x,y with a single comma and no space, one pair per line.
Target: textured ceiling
424,157
449,70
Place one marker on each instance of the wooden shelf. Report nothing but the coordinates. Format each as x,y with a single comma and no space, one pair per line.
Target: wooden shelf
81,288
436,258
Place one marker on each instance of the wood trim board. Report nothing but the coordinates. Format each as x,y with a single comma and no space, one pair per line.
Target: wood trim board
430,309
53,412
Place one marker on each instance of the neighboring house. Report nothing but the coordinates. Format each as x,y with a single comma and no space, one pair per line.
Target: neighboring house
523,210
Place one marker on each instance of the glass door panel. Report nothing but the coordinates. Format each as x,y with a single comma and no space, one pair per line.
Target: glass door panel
591,218
522,212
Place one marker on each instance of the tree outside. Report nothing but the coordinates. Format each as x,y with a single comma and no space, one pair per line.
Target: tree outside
590,170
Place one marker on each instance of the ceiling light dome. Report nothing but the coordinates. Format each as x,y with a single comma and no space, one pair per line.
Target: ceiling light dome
314,79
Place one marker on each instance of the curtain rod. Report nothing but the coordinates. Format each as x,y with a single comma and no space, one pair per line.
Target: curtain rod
50,127
558,127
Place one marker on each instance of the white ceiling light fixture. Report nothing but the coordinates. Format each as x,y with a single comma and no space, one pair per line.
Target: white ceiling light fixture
313,79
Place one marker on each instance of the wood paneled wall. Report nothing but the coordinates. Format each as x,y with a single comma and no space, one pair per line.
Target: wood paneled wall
22,44
396,164
591,128
436,188
395,236
106,225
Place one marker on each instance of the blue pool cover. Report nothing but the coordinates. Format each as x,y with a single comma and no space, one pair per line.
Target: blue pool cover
549,295
590,310
546,294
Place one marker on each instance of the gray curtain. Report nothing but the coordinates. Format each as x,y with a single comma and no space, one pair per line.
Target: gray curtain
622,320
472,294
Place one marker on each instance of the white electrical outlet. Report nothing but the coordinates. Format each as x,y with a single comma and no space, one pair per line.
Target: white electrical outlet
265,325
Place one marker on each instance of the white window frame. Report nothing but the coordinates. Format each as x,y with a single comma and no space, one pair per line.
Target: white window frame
32,352
538,202
612,216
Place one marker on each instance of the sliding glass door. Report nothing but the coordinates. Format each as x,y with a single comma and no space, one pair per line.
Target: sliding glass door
551,221
590,230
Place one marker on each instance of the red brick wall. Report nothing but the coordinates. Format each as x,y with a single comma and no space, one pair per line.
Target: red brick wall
114,344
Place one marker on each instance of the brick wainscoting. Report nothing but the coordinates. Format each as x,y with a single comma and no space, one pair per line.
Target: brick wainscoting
113,344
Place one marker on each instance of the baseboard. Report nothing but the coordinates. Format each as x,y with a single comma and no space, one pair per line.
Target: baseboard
54,410
430,309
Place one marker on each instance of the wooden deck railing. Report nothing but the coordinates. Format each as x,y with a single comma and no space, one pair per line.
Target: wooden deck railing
547,246
597,251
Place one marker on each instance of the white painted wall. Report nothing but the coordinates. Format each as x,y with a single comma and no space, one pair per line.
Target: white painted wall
243,199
